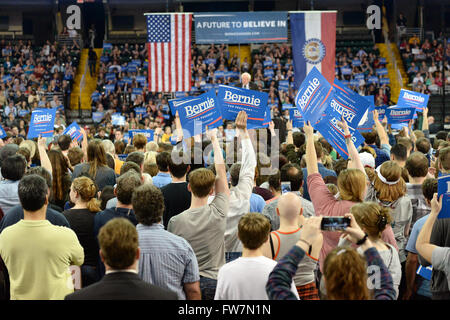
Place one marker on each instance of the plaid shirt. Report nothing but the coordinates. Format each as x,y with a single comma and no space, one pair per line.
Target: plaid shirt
419,204
279,285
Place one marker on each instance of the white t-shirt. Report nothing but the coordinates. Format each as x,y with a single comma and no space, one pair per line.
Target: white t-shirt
245,279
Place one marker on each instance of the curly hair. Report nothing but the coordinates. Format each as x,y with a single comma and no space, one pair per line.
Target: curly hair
148,204
345,275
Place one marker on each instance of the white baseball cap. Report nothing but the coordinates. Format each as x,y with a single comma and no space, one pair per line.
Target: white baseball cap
367,159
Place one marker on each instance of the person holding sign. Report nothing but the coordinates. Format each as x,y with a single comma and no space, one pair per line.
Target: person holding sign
352,186
438,256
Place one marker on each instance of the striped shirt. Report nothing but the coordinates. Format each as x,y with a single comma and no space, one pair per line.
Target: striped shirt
166,260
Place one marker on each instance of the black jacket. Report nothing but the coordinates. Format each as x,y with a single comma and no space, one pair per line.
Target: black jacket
122,286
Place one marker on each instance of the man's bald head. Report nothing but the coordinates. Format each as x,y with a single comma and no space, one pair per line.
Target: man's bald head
289,206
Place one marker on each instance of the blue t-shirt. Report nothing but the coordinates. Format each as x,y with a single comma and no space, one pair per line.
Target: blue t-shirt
257,203
424,286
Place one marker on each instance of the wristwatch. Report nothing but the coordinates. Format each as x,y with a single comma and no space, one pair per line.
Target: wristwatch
360,242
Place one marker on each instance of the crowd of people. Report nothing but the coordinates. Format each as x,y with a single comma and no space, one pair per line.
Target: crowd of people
233,214
426,63
208,218
34,77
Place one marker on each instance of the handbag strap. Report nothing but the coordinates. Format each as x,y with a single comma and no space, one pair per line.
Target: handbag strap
271,246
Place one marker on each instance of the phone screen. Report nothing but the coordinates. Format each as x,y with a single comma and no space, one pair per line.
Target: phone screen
285,187
334,223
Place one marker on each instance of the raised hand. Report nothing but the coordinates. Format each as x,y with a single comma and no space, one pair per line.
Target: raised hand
344,126
241,120
308,129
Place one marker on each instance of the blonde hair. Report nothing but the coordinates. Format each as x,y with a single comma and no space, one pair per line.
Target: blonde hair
87,190
151,146
109,147
391,171
351,183
150,157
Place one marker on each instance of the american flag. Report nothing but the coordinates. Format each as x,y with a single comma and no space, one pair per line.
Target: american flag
169,52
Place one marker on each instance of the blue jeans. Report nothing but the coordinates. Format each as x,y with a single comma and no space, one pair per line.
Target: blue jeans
230,256
208,288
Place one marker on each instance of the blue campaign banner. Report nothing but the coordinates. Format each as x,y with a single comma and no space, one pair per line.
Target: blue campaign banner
147,133
74,131
381,71
359,76
232,100
330,130
399,115
348,104
372,79
425,272
412,99
97,116
2,132
312,96
196,113
23,112
346,70
107,46
267,63
381,112
444,189
122,157
95,96
283,85
297,119
265,124
109,88
110,76
240,27
383,61
141,79
140,110
42,123
356,62
117,119
127,80
269,73
137,91
287,106
6,78
385,81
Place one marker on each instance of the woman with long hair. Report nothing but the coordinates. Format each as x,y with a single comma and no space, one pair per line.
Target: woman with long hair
352,185
389,190
81,216
96,166
61,178
373,219
345,271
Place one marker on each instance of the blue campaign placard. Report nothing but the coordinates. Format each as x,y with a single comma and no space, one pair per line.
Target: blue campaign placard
381,112
265,124
117,119
97,116
42,123
232,100
2,132
196,113
297,119
74,131
412,99
312,96
444,189
140,110
330,130
399,115
147,133
348,104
